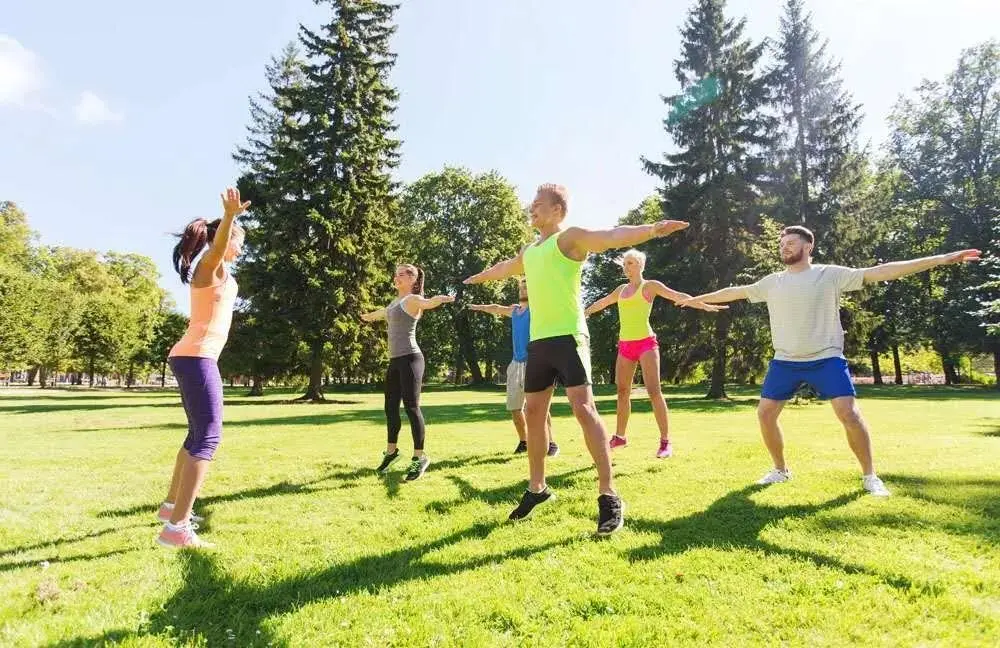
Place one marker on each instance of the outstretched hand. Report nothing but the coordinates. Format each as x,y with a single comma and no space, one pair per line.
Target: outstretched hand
231,204
665,227
962,256
693,302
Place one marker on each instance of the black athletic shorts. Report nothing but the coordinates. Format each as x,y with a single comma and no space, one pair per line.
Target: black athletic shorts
565,357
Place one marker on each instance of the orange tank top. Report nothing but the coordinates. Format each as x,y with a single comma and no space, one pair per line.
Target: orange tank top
211,317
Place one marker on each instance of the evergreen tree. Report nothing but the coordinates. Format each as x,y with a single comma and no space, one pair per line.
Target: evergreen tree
318,171
817,161
714,179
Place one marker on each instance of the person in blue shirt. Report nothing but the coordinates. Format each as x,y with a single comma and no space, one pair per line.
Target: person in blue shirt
520,318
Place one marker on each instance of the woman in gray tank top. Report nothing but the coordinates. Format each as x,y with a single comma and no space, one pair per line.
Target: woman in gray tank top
406,365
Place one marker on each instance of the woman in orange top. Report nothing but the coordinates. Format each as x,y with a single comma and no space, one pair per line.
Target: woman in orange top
193,360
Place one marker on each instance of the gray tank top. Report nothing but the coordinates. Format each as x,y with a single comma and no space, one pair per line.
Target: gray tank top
402,330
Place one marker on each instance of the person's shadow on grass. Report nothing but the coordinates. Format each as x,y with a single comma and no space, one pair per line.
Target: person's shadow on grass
735,521
225,611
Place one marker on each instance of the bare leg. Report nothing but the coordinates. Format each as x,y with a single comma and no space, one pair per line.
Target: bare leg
519,423
548,427
175,481
650,362
193,474
767,414
624,374
536,412
581,398
846,408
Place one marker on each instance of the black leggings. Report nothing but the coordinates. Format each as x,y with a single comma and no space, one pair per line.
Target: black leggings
402,383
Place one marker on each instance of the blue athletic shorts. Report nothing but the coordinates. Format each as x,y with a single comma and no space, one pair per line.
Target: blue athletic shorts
828,376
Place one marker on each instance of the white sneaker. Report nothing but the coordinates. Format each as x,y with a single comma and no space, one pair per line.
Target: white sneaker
874,486
775,477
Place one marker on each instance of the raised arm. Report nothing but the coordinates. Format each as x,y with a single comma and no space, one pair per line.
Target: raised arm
231,208
502,270
493,309
732,293
682,298
577,241
374,316
416,303
897,269
603,302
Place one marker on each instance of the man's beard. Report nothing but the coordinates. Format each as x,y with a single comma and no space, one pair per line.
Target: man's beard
792,260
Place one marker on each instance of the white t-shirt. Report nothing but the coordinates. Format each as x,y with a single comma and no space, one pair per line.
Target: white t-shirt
804,308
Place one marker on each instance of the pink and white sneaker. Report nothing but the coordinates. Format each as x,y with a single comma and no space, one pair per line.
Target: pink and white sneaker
666,450
182,537
163,515
618,442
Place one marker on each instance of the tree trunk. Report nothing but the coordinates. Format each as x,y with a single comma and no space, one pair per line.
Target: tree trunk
800,145
996,364
130,379
257,386
717,389
31,376
163,374
897,365
876,367
91,371
43,377
950,375
467,346
314,392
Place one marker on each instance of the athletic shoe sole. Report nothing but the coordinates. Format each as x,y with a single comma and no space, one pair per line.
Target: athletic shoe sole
621,523
551,497
421,473
385,470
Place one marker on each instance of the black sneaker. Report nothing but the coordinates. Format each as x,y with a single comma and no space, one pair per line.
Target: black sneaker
417,467
553,449
609,514
522,446
529,501
387,460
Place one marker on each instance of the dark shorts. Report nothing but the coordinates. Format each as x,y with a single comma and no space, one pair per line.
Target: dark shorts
566,358
829,376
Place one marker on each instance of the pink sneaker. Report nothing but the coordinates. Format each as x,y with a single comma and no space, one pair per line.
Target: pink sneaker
163,515
666,450
181,538
618,441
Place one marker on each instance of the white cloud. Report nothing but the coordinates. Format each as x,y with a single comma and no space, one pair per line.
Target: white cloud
21,76
91,109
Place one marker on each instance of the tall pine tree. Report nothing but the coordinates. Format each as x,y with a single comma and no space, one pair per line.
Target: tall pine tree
324,234
818,164
714,178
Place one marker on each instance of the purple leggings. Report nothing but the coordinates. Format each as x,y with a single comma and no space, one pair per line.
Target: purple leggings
201,393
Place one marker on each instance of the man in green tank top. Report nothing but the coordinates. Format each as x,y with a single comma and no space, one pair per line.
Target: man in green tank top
559,347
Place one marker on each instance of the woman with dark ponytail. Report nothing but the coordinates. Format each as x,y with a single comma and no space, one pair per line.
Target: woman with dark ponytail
193,360
406,365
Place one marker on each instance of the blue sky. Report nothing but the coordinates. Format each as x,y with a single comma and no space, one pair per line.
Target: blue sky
118,119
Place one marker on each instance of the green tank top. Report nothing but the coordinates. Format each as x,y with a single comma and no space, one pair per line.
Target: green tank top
553,291
633,316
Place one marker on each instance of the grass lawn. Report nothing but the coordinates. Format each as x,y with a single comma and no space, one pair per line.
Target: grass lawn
315,550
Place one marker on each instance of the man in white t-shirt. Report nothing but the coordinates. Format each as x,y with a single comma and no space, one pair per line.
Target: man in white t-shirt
803,303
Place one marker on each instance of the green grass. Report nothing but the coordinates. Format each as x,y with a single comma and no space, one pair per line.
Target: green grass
314,550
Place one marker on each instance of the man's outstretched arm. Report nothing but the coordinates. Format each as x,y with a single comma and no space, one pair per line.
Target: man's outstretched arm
502,270
583,241
897,269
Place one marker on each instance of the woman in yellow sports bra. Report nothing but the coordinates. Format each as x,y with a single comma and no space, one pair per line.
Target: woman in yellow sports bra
637,344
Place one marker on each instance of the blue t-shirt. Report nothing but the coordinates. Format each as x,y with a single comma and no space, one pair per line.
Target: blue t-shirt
520,324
